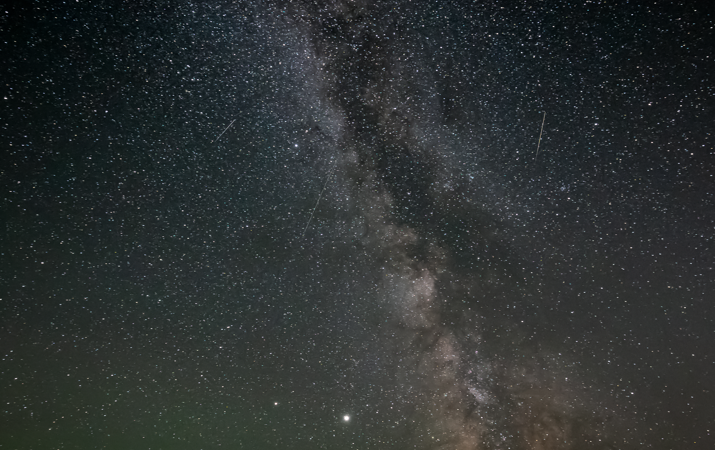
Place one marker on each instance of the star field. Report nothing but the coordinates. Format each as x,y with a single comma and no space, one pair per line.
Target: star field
288,224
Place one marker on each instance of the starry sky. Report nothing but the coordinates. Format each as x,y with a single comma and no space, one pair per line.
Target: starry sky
442,225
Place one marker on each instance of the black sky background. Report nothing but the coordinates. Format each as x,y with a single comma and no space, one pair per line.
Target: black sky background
372,236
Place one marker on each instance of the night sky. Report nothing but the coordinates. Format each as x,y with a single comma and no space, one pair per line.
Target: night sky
326,225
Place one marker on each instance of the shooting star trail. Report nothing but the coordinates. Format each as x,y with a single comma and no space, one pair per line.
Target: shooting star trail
540,133
226,129
319,196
